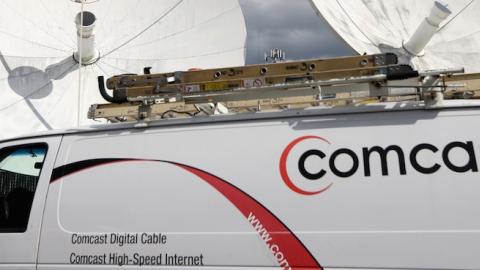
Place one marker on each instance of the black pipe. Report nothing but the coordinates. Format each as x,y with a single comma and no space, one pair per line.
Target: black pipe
105,95
401,72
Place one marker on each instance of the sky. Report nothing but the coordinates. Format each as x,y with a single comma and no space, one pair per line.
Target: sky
291,25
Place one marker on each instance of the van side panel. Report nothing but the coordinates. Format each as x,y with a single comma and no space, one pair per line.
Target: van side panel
368,191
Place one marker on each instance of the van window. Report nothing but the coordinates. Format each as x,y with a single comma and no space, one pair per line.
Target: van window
19,172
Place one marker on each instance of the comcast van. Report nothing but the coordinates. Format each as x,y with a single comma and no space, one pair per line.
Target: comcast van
385,186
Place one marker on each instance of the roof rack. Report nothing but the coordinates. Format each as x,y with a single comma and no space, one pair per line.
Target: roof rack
299,84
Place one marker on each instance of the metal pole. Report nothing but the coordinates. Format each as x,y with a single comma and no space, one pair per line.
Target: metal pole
80,66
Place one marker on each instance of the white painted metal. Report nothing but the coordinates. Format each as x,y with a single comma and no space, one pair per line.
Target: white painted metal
19,250
394,221
40,79
387,25
427,29
86,38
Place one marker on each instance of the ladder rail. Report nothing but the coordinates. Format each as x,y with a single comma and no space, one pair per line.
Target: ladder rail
300,84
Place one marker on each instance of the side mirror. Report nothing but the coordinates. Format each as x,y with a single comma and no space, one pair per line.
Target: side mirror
38,165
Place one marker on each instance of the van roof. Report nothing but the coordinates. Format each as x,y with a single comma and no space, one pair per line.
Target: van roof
256,116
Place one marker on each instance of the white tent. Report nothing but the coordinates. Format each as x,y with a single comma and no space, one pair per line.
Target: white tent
375,26
41,84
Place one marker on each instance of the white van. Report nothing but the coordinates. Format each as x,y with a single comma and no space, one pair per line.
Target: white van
384,186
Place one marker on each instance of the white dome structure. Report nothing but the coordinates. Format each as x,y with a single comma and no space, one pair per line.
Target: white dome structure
427,34
41,84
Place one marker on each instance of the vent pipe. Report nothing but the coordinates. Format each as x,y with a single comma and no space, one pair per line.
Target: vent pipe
427,29
86,38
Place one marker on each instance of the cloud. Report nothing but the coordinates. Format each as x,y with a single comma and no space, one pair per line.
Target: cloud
292,26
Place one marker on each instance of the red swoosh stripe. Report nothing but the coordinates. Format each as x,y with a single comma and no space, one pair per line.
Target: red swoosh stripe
292,248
